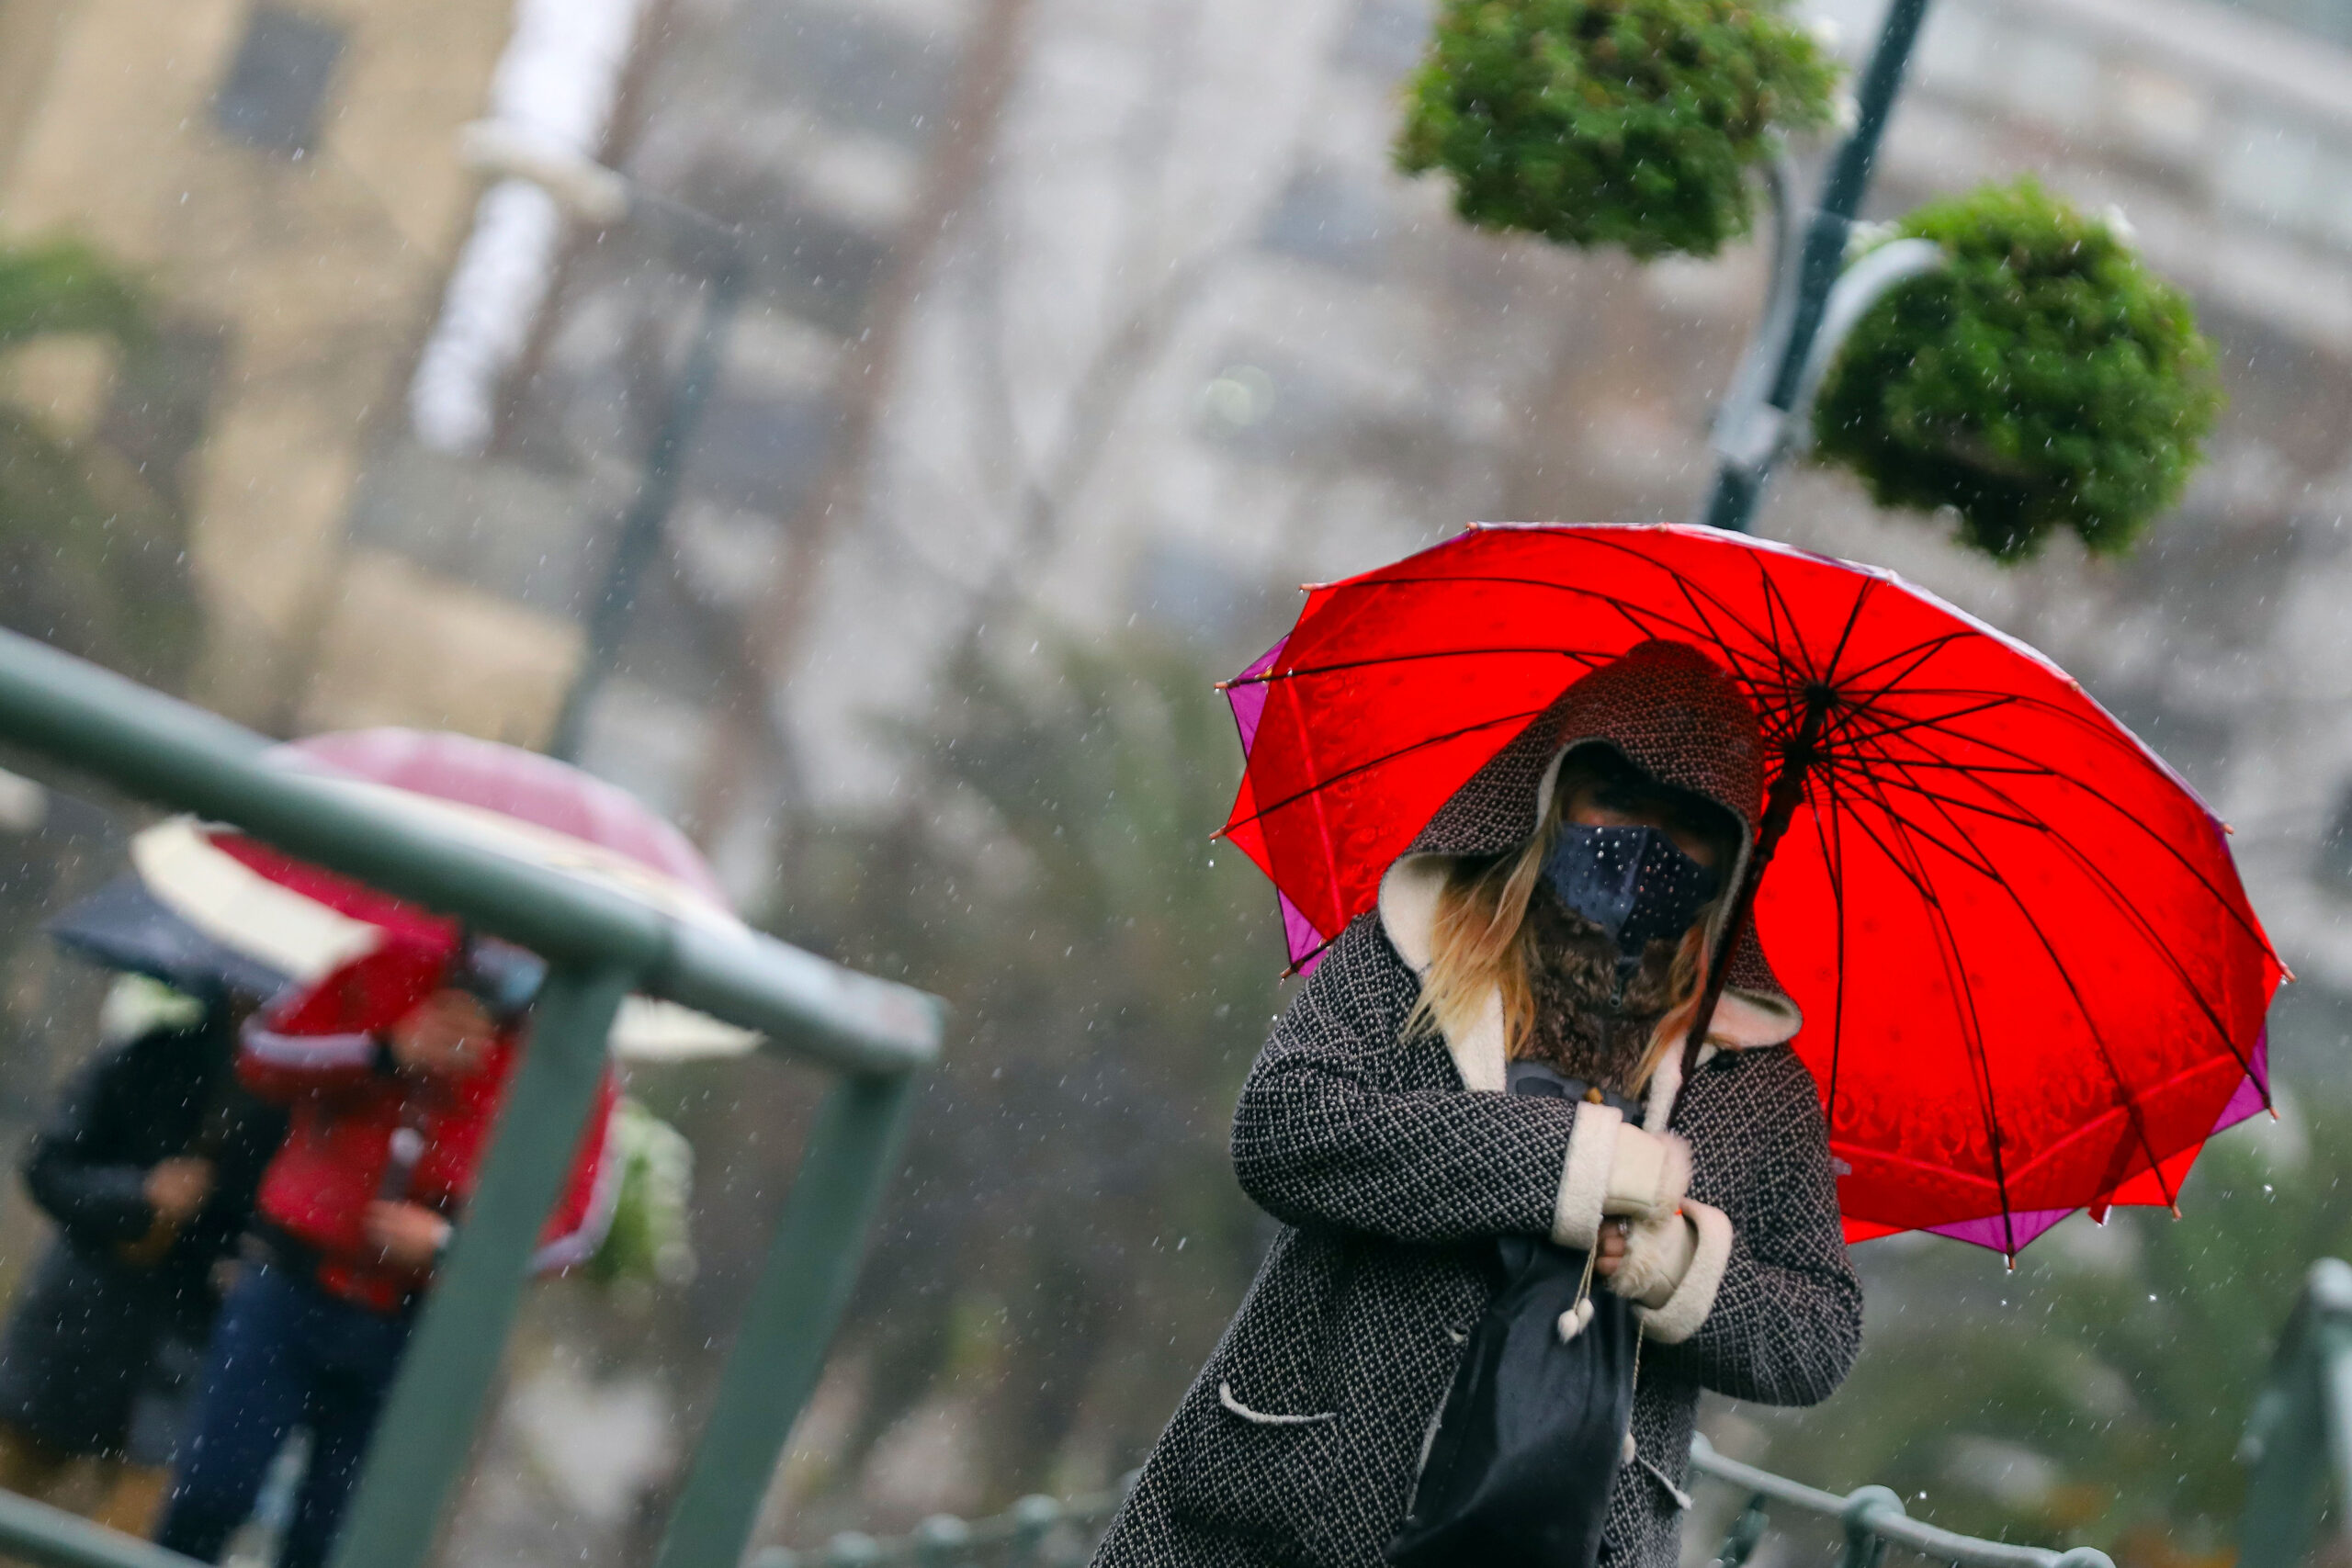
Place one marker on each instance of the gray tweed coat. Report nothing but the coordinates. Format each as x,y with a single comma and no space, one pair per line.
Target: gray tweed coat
1392,1170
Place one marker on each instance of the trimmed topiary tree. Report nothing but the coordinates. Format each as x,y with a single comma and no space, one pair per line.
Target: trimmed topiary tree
1630,123
2043,379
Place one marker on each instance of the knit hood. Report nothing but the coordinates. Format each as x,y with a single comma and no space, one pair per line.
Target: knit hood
1672,712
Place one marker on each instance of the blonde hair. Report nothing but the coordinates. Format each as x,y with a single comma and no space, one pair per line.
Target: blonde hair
1482,941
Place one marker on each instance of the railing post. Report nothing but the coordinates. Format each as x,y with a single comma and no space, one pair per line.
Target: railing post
1746,1534
2302,1425
1865,1505
802,1291
452,1363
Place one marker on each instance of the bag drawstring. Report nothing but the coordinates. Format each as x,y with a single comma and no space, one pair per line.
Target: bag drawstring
1572,1322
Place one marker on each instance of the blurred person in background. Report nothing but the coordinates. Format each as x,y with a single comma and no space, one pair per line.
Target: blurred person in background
148,1164
393,1069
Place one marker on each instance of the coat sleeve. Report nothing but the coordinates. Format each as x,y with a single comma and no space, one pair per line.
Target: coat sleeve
281,1066
326,1037
1321,1139
1787,1319
97,1199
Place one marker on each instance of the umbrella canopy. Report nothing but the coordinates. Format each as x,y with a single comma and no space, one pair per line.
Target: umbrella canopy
202,891
2032,979
123,926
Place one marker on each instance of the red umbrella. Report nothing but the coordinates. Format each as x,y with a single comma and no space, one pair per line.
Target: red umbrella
2032,979
299,922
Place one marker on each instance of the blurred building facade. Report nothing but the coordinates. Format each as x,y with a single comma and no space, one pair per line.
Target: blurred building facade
1114,311
279,176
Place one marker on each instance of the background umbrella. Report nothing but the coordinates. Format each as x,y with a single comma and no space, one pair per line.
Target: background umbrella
2032,979
207,901
123,926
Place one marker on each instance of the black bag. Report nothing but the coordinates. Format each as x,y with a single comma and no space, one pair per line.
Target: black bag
1533,1432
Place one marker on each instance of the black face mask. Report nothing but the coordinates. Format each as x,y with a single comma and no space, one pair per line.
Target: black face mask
1631,882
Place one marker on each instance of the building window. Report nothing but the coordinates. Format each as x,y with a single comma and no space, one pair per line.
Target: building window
277,84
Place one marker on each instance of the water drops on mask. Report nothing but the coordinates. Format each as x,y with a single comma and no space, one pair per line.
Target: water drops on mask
1631,882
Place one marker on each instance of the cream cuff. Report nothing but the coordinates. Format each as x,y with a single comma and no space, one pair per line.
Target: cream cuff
1584,1176
1679,1315
1648,1176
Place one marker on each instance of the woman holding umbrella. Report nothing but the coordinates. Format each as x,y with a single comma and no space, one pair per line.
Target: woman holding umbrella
2030,981
1554,915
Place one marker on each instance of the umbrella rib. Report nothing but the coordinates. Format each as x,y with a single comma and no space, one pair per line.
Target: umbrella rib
1684,583
2126,1100
1298,671
2133,819
1833,858
1262,812
2130,910
2022,819
1918,652
1633,613
1853,619
1972,1027
1973,861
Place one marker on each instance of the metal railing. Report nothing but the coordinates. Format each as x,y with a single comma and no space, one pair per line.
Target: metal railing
1872,1519
2300,1431
600,946
1043,1532
1047,1532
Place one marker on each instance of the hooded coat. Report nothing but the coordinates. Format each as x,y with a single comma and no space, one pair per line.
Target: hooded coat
321,1053
1394,1159
92,1332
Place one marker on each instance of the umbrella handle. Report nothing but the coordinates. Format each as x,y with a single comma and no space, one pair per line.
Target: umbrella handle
1797,761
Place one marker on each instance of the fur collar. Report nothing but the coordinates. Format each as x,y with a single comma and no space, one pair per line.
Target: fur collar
1744,1020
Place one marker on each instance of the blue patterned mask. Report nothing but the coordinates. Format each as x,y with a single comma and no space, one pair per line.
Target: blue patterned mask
1631,882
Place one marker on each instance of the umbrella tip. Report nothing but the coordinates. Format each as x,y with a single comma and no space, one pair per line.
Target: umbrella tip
2009,1261
2176,1210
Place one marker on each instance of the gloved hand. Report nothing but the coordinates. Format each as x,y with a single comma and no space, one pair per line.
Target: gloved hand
1615,1169
1648,1174
1657,1254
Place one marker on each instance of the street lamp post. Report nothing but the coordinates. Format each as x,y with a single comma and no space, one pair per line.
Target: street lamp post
1758,425
607,197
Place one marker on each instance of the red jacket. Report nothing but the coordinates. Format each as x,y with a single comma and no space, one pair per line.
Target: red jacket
321,1054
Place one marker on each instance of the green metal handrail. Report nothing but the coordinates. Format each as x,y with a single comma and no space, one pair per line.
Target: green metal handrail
600,946
1871,1516
1873,1520
1028,1532
2301,1431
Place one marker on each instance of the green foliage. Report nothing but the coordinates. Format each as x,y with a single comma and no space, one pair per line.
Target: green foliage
1597,122
649,1242
2095,1396
91,559
2044,380
63,286
92,555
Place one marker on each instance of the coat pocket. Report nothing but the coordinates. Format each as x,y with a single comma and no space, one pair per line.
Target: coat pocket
1233,1406
1259,1463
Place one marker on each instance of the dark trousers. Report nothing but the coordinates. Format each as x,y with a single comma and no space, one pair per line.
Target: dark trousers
285,1354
